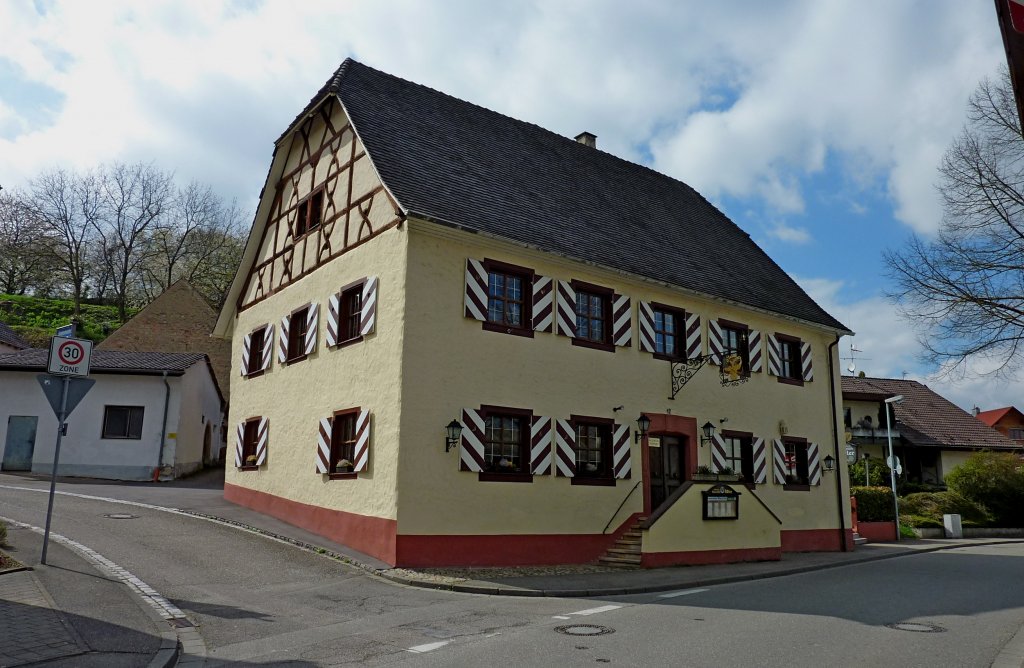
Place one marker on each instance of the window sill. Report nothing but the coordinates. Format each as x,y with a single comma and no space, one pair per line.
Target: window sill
596,345
790,381
508,329
254,374
485,476
343,476
348,342
247,467
293,360
594,482
668,358
796,488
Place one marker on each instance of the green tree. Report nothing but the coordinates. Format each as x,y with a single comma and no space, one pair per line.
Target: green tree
996,481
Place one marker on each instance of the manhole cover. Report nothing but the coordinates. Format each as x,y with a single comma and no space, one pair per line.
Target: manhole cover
180,623
121,516
916,627
584,630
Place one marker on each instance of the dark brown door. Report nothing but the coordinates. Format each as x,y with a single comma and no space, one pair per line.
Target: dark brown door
666,466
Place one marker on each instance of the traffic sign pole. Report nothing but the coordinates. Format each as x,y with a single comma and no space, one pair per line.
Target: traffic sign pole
61,416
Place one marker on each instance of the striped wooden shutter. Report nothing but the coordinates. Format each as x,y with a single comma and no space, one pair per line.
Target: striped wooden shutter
471,454
368,317
312,320
333,306
774,355
246,342
239,444
361,452
540,445
268,346
323,445
543,304
565,309
805,362
261,442
621,461
622,321
282,340
754,351
693,347
779,461
718,454
565,449
476,290
645,323
715,346
813,464
759,452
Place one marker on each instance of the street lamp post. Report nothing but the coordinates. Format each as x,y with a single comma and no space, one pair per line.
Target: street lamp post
892,458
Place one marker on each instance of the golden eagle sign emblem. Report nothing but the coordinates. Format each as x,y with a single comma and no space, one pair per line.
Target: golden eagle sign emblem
732,367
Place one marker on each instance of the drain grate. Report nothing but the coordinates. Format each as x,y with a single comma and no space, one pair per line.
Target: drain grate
916,627
121,516
584,630
181,623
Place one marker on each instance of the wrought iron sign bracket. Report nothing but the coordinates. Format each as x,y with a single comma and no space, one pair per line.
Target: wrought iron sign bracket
682,372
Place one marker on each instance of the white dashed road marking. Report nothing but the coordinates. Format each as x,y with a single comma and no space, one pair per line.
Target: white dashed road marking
594,611
429,647
685,592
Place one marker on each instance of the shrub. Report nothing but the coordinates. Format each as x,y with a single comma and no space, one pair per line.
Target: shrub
876,469
936,504
874,504
994,480
920,521
3,534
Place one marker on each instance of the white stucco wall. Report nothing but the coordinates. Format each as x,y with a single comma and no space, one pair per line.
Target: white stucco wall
84,452
200,405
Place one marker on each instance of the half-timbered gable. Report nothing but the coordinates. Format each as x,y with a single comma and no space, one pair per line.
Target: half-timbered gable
324,200
454,324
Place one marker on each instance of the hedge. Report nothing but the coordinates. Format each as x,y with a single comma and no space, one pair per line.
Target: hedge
934,505
874,504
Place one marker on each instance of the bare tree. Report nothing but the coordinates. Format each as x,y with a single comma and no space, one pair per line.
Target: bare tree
135,196
68,205
25,249
964,289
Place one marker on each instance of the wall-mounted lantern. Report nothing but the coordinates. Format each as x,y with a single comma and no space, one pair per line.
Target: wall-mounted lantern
643,424
830,463
709,433
454,432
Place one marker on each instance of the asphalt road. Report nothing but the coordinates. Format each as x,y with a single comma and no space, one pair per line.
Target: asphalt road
260,602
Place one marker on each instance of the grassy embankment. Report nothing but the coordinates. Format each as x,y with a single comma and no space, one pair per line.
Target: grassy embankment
35,319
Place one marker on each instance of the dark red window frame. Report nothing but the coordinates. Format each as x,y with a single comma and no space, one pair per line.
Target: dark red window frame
310,213
742,348
297,322
746,439
801,481
605,475
679,354
796,363
343,442
350,313
526,276
605,295
522,472
255,365
250,440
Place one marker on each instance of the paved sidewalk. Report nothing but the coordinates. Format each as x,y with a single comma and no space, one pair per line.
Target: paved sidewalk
201,496
67,613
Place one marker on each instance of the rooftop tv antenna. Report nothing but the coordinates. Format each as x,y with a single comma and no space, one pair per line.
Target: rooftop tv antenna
852,359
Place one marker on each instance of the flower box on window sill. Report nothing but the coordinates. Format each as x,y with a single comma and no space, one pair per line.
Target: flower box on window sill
716,477
249,467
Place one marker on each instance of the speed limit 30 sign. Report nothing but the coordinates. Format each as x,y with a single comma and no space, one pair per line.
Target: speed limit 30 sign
69,357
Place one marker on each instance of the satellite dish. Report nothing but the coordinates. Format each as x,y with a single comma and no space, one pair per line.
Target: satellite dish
852,367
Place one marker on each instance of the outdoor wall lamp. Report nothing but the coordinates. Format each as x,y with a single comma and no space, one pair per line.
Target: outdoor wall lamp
709,433
643,423
454,430
830,463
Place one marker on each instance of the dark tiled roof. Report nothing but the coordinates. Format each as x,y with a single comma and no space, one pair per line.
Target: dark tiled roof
459,164
926,419
109,361
8,337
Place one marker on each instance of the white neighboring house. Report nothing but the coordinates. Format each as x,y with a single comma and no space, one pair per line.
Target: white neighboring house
139,401
11,342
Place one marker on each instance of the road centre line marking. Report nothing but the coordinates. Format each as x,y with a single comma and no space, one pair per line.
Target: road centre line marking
429,647
560,617
684,592
594,611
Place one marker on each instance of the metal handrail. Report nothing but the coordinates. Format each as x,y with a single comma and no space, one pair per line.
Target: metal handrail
624,499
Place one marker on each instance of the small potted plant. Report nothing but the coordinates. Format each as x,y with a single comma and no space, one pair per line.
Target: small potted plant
727,474
250,460
343,466
704,472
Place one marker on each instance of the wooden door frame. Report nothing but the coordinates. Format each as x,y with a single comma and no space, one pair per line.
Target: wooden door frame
684,428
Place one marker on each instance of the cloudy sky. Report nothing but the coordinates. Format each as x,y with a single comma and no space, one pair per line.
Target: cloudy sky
816,125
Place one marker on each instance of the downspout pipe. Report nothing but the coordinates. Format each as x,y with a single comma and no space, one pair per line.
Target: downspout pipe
835,441
163,429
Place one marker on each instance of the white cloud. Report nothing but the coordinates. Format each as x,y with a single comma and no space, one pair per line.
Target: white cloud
787,233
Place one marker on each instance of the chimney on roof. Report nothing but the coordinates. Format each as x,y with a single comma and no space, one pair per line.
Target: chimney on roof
975,411
587,139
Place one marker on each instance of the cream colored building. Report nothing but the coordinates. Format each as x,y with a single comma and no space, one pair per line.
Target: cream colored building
418,263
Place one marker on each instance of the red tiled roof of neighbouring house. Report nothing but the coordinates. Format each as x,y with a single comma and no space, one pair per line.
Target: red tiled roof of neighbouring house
996,414
925,418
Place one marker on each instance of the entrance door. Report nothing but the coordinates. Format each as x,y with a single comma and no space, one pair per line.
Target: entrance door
21,442
666,467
